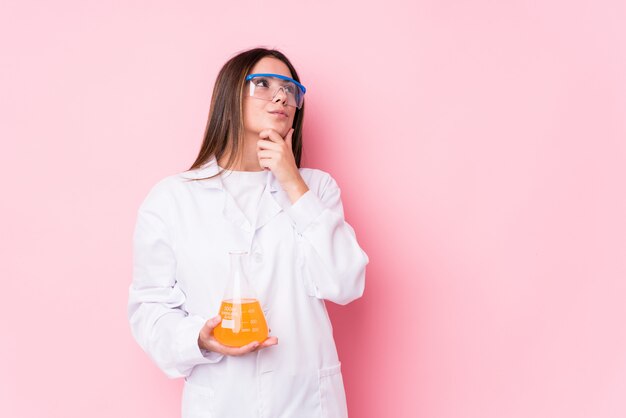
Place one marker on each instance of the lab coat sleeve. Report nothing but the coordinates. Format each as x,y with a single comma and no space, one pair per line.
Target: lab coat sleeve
163,329
331,262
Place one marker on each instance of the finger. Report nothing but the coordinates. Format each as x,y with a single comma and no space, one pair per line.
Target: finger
265,144
267,154
239,351
270,341
209,325
267,343
266,163
272,135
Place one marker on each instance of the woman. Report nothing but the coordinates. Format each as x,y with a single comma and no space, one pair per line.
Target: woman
246,191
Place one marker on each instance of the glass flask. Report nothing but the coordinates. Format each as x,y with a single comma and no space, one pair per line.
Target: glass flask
243,320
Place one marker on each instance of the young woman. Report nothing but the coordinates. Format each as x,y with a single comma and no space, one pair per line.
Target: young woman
247,192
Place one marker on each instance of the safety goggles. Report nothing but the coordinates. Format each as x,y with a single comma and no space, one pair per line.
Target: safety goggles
266,86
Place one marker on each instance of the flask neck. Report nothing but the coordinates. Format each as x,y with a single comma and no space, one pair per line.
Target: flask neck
238,280
236,263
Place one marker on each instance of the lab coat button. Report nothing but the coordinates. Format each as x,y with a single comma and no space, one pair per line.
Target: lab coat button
258,257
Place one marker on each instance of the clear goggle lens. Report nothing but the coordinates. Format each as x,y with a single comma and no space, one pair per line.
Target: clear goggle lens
271,86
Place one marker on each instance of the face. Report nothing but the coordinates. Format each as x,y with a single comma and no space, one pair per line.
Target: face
257,113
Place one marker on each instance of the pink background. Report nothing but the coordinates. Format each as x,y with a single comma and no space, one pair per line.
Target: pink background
480,147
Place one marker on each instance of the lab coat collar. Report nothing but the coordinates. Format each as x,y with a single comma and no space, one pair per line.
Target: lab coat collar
211,167
270,205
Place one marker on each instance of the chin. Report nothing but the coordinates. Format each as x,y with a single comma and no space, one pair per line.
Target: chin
281,128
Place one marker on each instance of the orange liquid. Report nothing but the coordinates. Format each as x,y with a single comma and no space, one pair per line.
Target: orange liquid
241,323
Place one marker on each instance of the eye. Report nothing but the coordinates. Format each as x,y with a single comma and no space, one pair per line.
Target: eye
261,82
290,88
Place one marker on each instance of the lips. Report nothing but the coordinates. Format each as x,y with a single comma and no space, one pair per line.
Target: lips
279,112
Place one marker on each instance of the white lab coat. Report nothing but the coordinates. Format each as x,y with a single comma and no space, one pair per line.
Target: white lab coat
300,254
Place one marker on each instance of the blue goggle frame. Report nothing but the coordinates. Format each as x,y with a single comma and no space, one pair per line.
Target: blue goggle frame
282,77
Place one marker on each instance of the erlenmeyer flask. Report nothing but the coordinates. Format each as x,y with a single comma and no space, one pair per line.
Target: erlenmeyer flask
243,320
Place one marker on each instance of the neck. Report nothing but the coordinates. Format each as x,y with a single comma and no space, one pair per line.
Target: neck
249,160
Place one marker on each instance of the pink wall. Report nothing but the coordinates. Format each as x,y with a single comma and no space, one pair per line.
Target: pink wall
481,151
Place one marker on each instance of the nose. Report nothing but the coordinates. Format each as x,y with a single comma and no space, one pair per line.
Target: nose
280,95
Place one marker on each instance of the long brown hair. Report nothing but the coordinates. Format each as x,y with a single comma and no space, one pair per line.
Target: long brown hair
225,122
